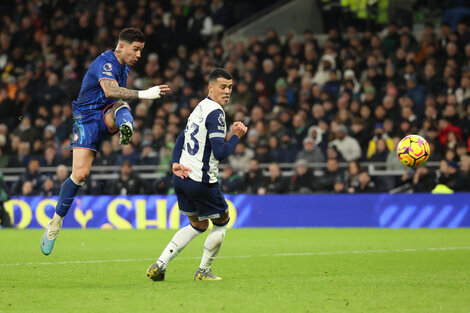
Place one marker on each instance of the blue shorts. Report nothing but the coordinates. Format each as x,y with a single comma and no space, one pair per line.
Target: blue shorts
201,199
90,129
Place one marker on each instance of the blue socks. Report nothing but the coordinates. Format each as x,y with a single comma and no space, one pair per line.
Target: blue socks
123,115
67,194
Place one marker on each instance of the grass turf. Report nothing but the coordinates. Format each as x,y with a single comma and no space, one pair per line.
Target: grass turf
264,270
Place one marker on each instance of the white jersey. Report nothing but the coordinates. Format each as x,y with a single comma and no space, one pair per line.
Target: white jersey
205,122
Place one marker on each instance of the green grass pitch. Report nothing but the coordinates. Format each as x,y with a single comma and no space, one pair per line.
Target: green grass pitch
263,270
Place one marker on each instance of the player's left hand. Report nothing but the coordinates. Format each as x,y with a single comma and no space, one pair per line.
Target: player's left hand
180,170
164,89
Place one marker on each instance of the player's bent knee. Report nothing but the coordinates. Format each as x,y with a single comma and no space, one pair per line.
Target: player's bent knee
80,176
200,225
223,220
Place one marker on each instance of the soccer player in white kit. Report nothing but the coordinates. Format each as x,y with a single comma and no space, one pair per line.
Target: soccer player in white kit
196,155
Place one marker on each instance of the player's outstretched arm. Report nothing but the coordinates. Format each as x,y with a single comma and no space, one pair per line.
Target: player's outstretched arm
113,91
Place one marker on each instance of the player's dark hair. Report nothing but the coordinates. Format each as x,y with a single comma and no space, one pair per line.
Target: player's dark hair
131,34
219,72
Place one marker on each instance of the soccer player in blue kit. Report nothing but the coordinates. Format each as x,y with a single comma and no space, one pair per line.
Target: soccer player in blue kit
100,112
196,155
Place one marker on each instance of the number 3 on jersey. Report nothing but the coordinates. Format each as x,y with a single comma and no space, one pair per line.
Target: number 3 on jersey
195,128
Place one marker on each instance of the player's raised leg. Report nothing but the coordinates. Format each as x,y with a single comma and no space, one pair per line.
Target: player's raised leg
180,240
81,166
212,247
120,117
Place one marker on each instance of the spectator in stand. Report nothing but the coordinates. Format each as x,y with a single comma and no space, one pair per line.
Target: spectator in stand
275,152
61,174
4,158
392,161
346,145
424,180
50,157
128,183
128,154
351,176
310,153
254,180
66,154
231,182
32,175
366,185
445,127
5,220
25,130
275,183
47,188
325,182
462,182
303,178
27,189
106,156
240,158
148,156
288,149
381,152
23,156
379,134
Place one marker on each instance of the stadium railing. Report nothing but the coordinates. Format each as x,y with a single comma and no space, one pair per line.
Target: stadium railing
158,171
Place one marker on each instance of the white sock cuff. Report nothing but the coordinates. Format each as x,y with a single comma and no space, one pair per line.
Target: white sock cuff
224,225
123,105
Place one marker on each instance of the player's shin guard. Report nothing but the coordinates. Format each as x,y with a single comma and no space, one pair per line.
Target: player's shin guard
212,245
177,244
123,115
68,191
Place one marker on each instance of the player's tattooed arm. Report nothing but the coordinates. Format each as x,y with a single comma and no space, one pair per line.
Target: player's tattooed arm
113,91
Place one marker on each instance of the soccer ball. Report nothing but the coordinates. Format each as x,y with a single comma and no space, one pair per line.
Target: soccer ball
413,151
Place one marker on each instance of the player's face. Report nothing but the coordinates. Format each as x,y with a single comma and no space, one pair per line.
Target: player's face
220,90
131,52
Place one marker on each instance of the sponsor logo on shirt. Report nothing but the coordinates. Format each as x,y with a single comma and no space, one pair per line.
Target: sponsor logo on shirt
108,73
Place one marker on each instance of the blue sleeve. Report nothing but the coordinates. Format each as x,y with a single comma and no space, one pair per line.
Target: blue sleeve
178,149
215,124
222,148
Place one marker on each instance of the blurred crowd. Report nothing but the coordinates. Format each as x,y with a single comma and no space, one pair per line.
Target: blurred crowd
348,98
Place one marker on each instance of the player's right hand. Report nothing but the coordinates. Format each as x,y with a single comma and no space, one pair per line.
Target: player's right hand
239,129
180,170
154,92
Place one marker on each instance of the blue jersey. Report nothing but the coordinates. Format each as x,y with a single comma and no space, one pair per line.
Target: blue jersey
92,97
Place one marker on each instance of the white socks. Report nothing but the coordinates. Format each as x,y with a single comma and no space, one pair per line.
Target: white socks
179,241
212,246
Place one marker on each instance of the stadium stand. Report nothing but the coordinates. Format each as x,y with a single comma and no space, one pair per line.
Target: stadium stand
325,112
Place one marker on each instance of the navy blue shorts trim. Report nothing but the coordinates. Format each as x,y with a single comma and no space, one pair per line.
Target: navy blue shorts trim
90,129
195,198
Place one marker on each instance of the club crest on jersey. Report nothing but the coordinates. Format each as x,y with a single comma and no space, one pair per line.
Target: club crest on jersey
75,137
221,120
108,67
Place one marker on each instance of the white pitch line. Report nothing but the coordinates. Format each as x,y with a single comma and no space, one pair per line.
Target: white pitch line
243,256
